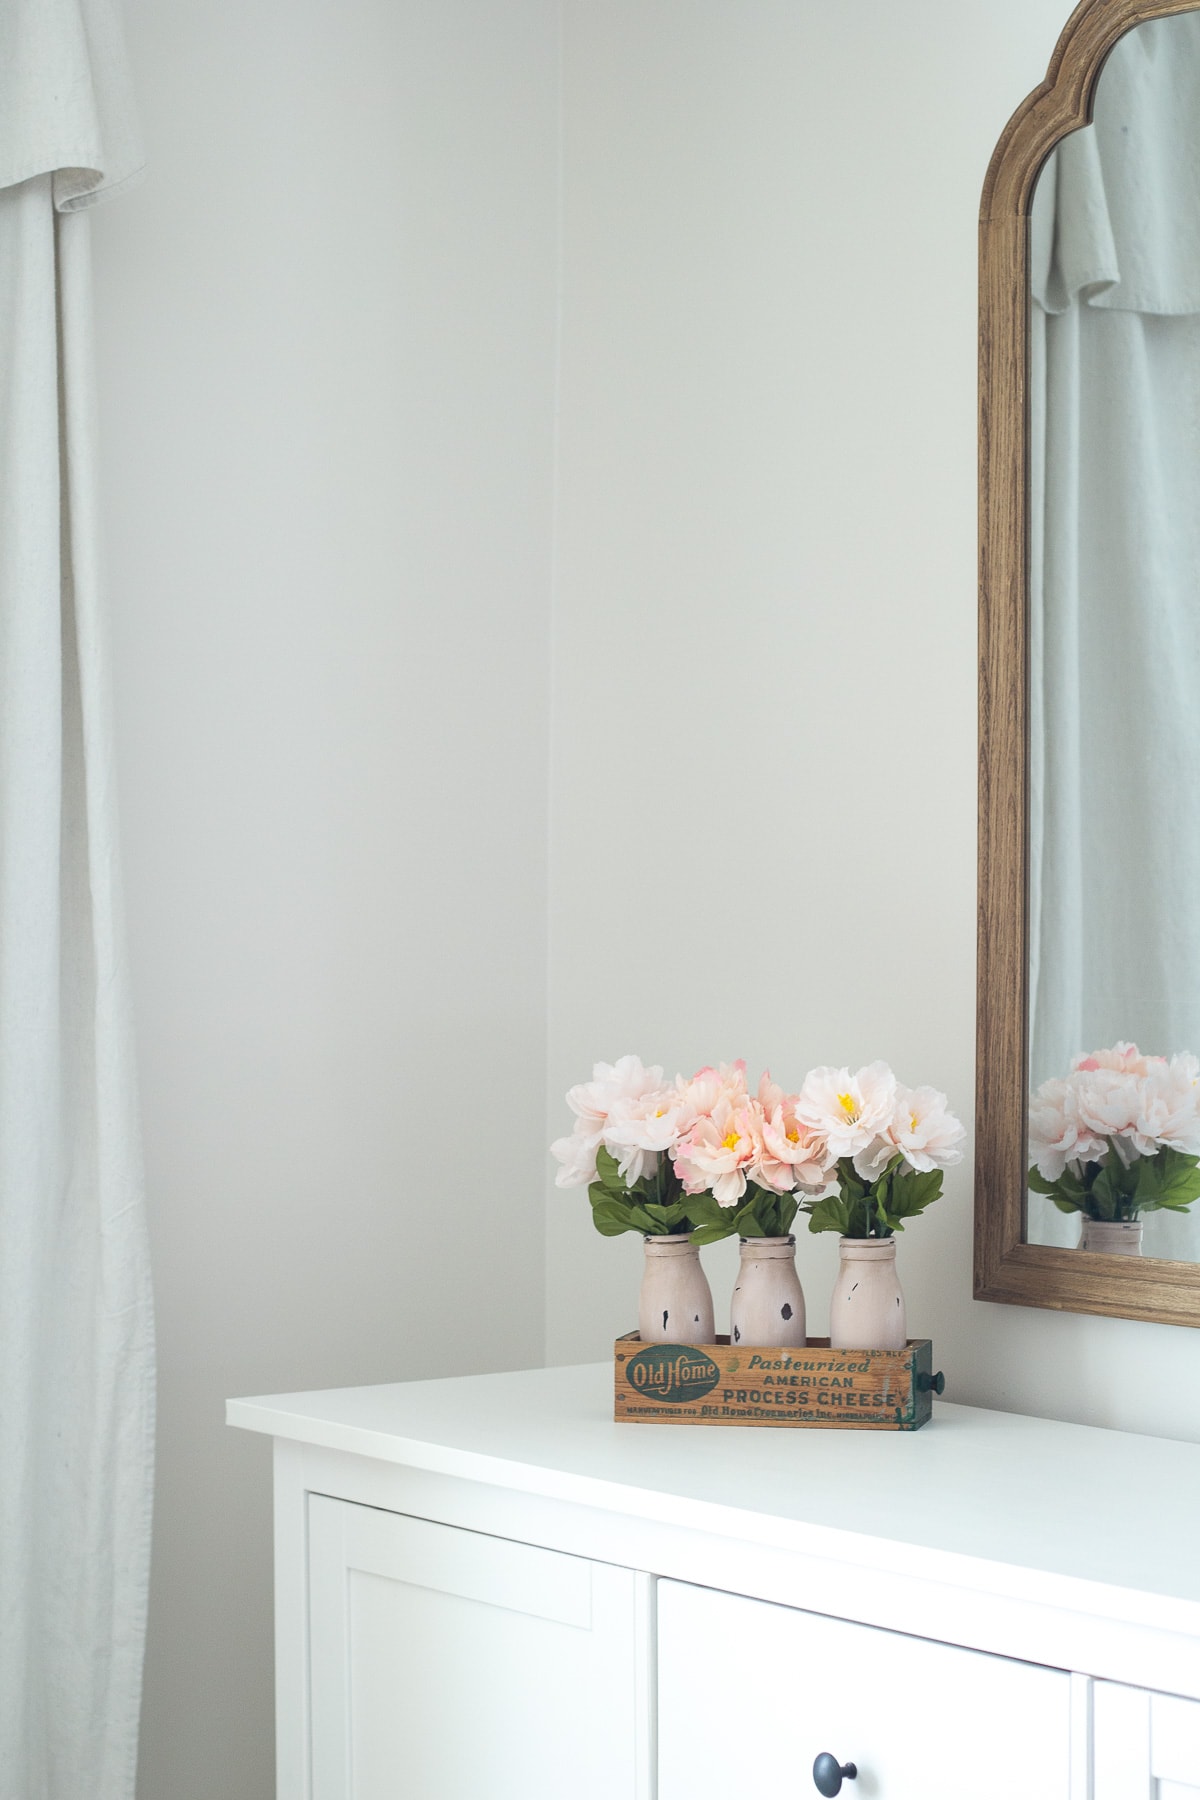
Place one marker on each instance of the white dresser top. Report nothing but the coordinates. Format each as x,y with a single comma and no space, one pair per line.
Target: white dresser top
1031,1502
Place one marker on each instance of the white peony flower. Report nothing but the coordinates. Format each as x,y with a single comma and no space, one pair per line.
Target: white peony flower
874,1159
1120,1098
577,1154
626,1079
1057,1135
638,1129
848,1112
1169,1107
612,1084
925,1129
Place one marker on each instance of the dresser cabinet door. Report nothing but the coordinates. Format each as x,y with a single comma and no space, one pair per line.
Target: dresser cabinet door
447,1665
750,1694
1145,1746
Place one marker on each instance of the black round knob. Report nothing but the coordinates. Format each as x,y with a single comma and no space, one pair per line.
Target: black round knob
829,1773
935,1384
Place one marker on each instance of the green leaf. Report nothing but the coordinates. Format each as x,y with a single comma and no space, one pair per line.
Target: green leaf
710,1220
1148,1178
766,1213
598,1193
1169,1180
611,1218
830,1214
911,1192
704,1205
1068,1184
850,1182
1104,1196
666,1218
1067,1192
702,1209
710,1234
608,1173
1055,1188
753,1217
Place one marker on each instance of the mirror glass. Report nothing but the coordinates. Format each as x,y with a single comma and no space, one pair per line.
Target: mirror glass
1114,645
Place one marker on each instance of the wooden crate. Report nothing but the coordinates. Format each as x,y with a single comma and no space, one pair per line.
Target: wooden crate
719,1384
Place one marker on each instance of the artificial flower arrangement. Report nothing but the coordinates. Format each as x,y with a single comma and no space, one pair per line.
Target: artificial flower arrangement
1119,1136
706,1157
886,1146
689,1161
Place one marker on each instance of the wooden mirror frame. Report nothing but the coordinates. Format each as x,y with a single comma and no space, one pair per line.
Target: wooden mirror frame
1006,1267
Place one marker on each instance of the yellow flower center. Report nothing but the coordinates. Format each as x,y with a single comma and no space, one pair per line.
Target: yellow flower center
730,1141
848,1105
793,1137
912,1121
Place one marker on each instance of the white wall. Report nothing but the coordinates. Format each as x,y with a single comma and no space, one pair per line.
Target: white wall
763,765
327,339
327,329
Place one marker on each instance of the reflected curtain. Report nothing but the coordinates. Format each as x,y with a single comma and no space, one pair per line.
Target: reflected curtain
76,1353
1115,581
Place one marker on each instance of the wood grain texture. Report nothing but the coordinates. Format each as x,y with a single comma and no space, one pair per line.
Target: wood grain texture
747,1384
1006,1268
1063,102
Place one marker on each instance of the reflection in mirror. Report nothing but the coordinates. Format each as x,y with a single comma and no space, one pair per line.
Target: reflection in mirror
1114,647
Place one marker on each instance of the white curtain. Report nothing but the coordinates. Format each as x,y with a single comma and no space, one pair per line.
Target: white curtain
76,1350
1115,581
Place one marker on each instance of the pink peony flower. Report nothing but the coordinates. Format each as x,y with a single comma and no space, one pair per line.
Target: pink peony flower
720,1149
1108,1102
1123,1059
700,1096
792,1155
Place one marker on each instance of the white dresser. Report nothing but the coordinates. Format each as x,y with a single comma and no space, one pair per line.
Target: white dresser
487,1590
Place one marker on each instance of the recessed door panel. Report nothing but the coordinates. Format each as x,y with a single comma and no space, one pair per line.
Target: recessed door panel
750,1694
448,1665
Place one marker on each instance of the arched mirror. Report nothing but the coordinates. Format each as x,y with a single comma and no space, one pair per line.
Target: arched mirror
1089,899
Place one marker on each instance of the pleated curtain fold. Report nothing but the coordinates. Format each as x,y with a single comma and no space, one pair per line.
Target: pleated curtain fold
76,1325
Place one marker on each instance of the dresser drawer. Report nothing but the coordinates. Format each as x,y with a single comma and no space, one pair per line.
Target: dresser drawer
1147,1746
749,1694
